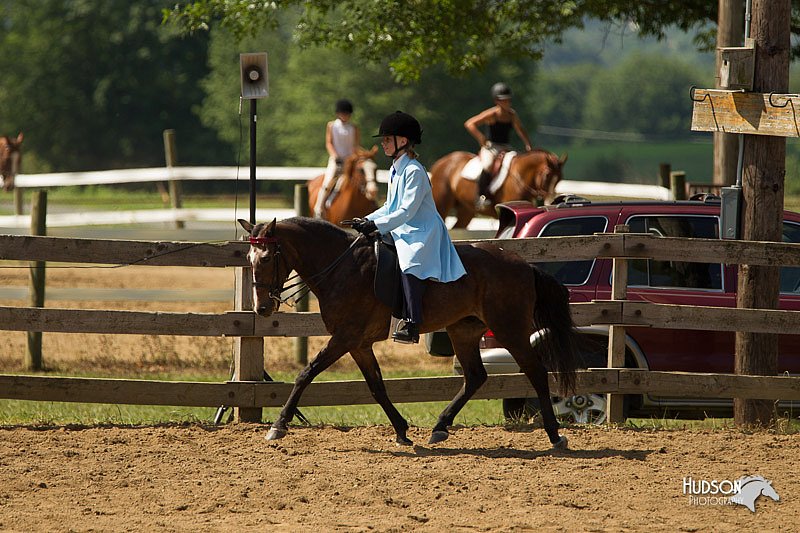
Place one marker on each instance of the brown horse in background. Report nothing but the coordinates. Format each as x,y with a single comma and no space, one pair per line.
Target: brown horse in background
357,188
532,175
501,291
10,160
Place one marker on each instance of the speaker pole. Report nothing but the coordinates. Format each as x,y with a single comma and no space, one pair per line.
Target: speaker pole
253,120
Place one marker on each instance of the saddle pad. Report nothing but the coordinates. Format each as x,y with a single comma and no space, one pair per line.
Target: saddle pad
497,182
472,170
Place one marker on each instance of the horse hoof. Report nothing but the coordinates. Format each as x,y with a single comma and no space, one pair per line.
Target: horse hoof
438,436
403,441
275,434
561,443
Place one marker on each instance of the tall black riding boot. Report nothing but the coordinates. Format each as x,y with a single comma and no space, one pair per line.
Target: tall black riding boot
407,330
483,201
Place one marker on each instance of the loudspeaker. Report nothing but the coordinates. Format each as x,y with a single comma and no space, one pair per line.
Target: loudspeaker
254,75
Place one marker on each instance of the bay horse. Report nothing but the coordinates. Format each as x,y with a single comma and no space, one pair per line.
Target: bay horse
10,160
532,175
357,190
500,291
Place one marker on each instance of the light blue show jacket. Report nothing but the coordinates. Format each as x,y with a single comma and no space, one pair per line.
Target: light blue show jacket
424,248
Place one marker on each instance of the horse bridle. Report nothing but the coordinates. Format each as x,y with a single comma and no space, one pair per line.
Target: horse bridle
276,289
526,188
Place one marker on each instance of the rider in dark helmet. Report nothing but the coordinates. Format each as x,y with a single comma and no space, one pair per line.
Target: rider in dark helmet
409,215
342,138
498,120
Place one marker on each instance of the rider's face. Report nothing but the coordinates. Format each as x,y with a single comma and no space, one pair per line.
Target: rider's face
388,143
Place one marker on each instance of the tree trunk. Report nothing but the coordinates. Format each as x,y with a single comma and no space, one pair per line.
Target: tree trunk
763,180
730,32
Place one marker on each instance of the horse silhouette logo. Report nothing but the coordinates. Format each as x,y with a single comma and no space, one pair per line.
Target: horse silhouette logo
751,488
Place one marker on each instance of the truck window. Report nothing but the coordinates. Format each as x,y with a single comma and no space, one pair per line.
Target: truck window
675,274
572,272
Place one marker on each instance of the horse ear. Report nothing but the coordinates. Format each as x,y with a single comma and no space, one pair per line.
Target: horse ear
271,227
248,227
563,159
374,150
20,137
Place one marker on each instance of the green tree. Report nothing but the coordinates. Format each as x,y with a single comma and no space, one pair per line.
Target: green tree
415,35
305,83
94,84
646,94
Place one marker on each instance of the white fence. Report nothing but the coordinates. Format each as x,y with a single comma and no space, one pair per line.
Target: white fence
145,175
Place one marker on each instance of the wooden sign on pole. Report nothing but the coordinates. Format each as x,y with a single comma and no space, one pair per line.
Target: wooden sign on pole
777,115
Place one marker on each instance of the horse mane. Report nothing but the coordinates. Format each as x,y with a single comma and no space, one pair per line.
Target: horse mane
319,227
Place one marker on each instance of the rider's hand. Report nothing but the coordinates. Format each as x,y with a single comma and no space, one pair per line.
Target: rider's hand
362,225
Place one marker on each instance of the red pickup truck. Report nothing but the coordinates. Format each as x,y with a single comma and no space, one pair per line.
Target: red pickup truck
666,282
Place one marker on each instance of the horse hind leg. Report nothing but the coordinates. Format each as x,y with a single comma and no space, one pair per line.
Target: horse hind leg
526,357
368,364
465,336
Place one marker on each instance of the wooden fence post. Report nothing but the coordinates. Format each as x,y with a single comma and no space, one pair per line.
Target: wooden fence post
248,357
664,170
171,156
677,184
301,208
18,201
615,413
37,279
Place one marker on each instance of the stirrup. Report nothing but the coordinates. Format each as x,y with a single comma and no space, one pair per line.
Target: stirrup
406,333
482,203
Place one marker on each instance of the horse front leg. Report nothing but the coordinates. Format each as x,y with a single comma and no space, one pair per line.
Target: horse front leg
465,339
331,353
366,361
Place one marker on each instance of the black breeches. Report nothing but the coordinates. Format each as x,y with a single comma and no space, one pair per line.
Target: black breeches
413,291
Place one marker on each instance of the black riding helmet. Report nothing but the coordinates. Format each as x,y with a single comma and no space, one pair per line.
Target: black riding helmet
344,106
501,91
403,125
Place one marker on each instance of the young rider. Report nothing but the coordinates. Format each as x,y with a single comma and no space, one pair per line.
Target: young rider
342,139
498,120
424,249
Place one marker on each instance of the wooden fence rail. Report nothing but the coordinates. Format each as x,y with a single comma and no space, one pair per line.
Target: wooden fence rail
248,324
541,249
250,394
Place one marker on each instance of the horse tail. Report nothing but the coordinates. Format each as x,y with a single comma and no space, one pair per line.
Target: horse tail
559,345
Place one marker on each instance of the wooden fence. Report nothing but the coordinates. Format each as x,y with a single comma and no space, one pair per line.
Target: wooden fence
250,394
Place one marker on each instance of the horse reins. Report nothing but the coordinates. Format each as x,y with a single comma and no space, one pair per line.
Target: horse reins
276,290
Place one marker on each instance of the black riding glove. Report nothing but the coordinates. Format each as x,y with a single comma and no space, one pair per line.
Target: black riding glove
362,225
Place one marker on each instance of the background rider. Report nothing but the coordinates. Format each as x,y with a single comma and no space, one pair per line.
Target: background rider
342,139
498,121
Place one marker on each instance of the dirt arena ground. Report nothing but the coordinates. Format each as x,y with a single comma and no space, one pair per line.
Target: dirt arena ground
200,478
195,478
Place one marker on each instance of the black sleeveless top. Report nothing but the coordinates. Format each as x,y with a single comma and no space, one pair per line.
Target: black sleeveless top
500,132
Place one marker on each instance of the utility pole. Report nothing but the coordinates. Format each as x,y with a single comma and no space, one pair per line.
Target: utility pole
762,203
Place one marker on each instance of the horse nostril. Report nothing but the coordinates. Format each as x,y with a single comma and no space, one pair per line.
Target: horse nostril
262,309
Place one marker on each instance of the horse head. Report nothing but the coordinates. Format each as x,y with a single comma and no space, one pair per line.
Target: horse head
364,160
10,160
538,172
553,174
270,269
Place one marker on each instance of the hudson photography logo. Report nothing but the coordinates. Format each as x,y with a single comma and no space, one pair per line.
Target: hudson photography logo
743,491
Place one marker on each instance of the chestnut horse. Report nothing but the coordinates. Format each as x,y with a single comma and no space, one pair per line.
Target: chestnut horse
500,291
10,160
532,175
356,192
